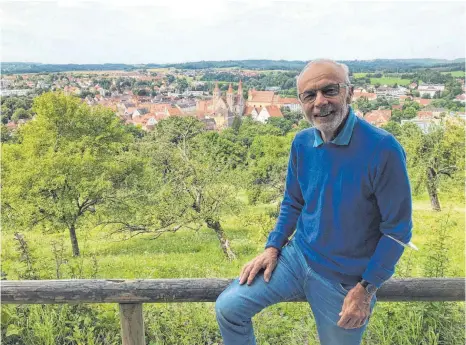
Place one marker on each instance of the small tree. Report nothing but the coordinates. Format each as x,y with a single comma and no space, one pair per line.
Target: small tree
393,127
190,181
397,116
409,113
65,164
20,114
283,124
236,124
440,152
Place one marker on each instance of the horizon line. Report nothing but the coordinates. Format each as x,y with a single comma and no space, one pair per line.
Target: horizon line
227,60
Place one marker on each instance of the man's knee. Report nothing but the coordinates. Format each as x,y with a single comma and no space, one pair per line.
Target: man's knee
225,305
231,306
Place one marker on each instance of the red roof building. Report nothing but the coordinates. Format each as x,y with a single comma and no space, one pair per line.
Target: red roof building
378,117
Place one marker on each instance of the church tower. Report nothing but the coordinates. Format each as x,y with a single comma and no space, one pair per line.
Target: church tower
240,100
230,98
216,96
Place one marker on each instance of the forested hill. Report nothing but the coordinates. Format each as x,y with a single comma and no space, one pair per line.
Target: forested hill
386,65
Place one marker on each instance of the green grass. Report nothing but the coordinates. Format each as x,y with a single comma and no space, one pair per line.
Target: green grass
456,74
160,70
390,81
385,80
190,254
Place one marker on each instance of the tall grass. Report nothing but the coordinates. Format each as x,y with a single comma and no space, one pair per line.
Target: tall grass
440,237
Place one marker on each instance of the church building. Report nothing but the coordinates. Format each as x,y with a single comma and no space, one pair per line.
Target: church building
222,109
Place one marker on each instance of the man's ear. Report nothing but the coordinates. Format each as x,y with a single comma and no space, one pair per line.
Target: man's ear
350,94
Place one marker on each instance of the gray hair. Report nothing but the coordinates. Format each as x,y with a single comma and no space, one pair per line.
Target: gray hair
309,64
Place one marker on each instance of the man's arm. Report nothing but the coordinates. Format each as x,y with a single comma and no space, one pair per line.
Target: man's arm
291,206
393,193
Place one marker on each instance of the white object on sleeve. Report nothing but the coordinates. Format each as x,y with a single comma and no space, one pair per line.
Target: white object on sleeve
409,244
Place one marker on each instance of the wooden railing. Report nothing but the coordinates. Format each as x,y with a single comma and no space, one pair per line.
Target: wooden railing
131,294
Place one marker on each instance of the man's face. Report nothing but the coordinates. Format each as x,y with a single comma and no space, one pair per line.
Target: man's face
325,113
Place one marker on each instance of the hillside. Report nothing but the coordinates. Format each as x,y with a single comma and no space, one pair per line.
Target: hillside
387,65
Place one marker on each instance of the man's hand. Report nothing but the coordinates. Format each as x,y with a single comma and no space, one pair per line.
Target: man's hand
356,308
267,261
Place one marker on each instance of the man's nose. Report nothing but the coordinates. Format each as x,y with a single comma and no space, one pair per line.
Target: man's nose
320,99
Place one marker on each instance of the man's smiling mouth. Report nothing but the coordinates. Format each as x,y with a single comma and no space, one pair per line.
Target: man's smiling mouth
325,113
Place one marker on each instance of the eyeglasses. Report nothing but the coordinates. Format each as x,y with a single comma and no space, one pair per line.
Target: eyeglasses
328,91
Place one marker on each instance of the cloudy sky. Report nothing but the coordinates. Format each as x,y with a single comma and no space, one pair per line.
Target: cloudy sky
136,31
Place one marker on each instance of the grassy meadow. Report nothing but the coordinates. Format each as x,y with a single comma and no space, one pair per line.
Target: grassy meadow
390,79
456,74
385,80
190,254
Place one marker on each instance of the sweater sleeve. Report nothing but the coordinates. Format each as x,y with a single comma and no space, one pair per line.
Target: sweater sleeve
291,205
393,194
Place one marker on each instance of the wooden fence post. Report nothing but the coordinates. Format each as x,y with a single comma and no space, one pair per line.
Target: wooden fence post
132,324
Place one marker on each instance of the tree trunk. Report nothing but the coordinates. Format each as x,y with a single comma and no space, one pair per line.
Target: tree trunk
432,189
74,240
216,226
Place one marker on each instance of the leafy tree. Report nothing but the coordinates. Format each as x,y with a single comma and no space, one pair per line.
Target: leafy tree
393,127
381,103
303,124
12,104
6,114
20,114
189,182
250,129
170,78
411,104
5,134
135,131
236,124
281,123
65,167
85,92
293,116
397,116
290,83
434,155
426,96
452,89
449,104
267,161
364,105
182,84
140,92
409,113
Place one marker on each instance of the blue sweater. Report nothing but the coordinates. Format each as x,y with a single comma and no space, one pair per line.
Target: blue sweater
343,197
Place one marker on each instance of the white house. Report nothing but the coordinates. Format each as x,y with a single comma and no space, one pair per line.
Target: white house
390,92
263,113
424,124
18,92
430,89
5,83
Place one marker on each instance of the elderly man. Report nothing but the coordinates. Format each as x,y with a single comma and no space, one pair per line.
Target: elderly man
348,196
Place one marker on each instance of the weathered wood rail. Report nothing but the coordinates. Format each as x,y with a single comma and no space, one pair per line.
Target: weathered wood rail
130,294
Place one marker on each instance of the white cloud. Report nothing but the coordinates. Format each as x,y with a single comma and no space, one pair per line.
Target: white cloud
159,31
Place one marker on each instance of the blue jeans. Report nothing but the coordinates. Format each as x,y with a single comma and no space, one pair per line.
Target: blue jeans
291,280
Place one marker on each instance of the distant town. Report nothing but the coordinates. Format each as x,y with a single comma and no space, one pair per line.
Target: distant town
217,95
